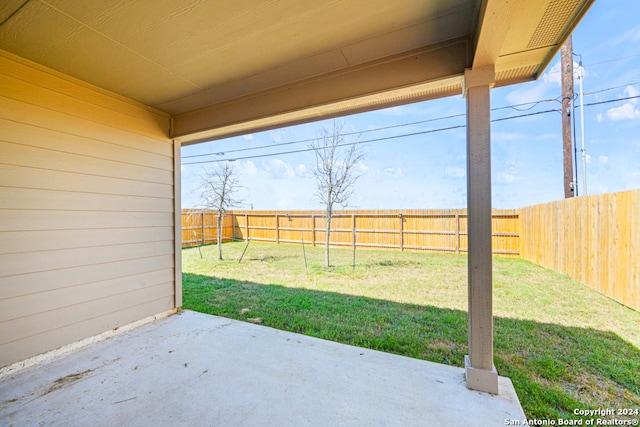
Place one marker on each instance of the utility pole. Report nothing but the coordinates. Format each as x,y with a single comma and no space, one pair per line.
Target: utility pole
566,63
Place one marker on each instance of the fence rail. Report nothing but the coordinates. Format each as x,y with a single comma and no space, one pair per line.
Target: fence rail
416,230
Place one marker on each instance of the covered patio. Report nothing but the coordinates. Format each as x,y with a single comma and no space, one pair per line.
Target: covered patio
197,369
96,100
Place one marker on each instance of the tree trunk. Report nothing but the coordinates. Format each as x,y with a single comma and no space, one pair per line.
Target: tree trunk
326,242
219,237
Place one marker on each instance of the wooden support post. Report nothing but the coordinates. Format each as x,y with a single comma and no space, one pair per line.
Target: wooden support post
480,373
313,229
203,229
277,229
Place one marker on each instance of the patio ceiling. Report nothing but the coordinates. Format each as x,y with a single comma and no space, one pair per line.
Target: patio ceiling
227,67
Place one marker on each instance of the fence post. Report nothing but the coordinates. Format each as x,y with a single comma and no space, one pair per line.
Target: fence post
246,226
277,230
202,226
457,233
353,230
401,232
313,228
353,225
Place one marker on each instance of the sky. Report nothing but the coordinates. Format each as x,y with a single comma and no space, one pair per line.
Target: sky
428,170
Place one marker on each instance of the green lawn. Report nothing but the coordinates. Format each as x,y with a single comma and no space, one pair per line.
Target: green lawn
563,345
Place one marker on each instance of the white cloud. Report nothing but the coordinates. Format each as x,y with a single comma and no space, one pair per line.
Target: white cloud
531,92
276,136
599,117
603,159
248,168
454,173
278,169
588,158
506,177
284,203
248,137
553,75
624,112
303,171
628,110
506,136
362,167
632,91
394,172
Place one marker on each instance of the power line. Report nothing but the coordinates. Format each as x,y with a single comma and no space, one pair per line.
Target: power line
391,137
363,142
611,88
554,110
280,144
606,61
612,100
337,145
530,105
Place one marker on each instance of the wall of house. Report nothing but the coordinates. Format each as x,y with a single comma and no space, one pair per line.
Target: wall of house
87,239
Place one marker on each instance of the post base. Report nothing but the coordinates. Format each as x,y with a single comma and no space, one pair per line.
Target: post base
480,379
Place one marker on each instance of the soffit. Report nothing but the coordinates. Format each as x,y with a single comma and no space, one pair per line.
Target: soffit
221,67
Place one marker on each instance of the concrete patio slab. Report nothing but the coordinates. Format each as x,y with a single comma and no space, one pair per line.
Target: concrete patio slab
201,370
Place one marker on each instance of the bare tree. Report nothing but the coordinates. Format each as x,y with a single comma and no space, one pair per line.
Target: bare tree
335,172
219,187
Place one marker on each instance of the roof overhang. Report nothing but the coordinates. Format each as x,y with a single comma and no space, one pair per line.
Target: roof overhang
228,67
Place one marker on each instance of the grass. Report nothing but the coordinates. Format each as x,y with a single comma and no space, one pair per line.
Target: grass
563,345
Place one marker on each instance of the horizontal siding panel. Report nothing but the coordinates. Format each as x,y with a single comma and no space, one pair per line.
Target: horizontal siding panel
33,115
28,199
65,142
35,282
40,343
68,315
23,177
12,66
14,264
32,304
38,158
24,91
28,241
87,239
71,220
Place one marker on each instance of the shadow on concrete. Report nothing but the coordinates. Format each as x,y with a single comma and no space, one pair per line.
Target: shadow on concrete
555,369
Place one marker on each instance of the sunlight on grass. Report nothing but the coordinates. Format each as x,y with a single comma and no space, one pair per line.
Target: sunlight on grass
522,290
563,345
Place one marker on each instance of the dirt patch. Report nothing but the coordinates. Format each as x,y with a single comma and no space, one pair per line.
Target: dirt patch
64,381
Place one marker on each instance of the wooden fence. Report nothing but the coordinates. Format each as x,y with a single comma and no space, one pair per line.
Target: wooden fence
408,230
199,227
593,239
